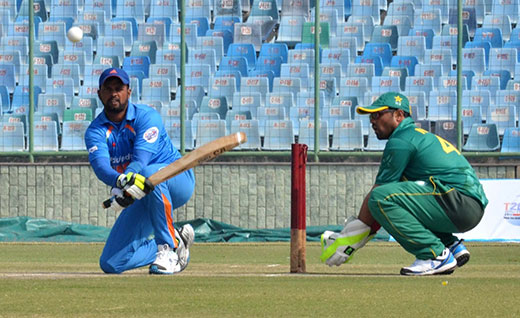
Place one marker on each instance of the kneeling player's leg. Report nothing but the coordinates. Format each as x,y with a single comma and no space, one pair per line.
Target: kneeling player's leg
411,214
128,246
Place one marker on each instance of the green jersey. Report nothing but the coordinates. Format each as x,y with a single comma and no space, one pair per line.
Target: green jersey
414,154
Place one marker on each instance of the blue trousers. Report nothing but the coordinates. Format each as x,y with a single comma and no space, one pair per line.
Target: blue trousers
129,244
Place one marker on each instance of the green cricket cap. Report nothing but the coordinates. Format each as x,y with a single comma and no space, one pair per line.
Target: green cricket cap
385,101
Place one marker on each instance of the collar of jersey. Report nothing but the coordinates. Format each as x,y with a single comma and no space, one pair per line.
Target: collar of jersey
130,114
406,123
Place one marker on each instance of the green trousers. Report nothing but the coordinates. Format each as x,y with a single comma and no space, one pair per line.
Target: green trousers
422,216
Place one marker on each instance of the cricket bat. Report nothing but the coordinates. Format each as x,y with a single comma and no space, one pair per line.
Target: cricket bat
202,154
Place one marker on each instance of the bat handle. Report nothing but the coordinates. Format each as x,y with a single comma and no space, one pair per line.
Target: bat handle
108,202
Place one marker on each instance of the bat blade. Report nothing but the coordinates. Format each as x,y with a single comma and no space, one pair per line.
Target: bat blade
202,154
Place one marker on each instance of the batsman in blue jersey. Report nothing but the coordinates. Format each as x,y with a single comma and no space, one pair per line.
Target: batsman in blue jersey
127,143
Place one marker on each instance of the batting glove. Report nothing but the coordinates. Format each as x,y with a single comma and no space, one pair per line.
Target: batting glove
136,185
120,201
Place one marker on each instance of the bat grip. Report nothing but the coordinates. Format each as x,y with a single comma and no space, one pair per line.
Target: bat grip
108,202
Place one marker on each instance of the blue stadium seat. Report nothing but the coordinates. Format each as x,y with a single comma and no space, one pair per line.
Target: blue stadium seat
73,136
374,60
511,8
366,21
306,134
278,135
45,136
198,9
509,97
90,6
428,19
471,114
137,63
335,112
482,137
287,84
7,77
434,70
121,28
408,62
503,75
480,98
347,135
474,59
248,33
400,72
442,5
53,103
418,102
511,140
61,85
441,105
385,34
486,45
449,83
251,128
156,89
269,63
209,130
492,35
203,56
504,116
447,130
350,36
355,87
486,82
255,84
234,63
424,124
412,45
168,71
366,8
503,59
247,101
382,50
274,49
383,84
222,86
144,49
159,9
339,56
148,32
225,8
290,30
12,136
233,115
295,70
420,83
427,33
246,50
131,8
264,114
215,104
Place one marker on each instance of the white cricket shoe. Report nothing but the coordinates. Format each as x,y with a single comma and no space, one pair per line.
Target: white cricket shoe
166,262
444,264
186,237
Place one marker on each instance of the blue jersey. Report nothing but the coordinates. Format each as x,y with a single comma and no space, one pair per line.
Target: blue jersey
141,130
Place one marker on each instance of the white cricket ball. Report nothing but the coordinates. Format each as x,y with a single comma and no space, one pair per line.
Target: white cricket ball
75,34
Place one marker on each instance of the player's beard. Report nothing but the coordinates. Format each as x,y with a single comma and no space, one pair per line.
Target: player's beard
114,106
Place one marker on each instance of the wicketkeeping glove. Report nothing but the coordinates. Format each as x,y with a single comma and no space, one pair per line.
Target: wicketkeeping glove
337,248
135,185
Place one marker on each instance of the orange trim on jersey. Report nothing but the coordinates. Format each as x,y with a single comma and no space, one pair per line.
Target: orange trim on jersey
169,219
109,131
127,126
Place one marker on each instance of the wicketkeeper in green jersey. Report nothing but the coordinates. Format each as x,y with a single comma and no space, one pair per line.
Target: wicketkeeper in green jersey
424,192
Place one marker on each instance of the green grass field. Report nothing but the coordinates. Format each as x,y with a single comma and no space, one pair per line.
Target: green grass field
253,280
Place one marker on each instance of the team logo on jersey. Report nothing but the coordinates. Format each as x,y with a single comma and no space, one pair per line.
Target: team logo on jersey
92,149
151,134
398,100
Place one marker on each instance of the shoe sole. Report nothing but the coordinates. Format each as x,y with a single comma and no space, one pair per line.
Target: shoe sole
155,271
462,259
446,271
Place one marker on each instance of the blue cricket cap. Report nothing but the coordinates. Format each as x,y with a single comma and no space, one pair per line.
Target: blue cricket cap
114,72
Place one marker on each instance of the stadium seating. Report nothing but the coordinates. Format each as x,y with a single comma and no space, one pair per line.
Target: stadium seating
12,136
278,135
348,135
482,137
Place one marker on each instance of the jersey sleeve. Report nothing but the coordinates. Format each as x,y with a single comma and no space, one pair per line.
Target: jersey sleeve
96,143
148,131
396,156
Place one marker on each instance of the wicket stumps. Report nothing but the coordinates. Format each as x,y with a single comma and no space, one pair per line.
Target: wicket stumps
298,226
